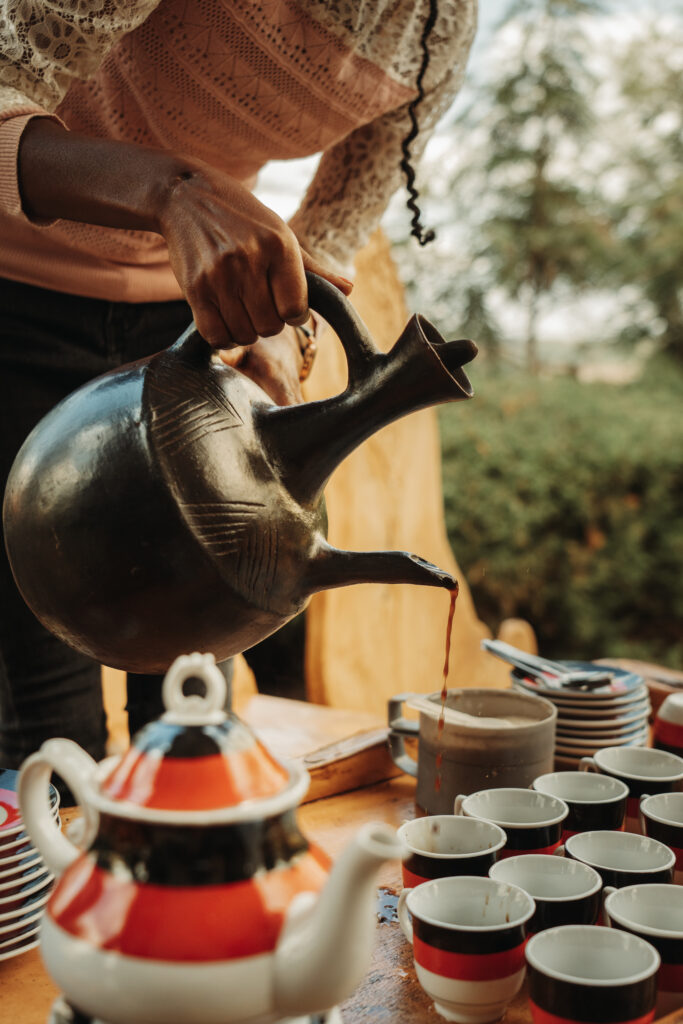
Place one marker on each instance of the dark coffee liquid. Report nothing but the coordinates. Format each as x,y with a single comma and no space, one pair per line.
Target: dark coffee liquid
444,686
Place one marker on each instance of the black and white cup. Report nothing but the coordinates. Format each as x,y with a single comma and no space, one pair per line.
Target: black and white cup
594,801
583,973
661,818
622,858
441,845
468,935
532,821
655,913
564,891
643,769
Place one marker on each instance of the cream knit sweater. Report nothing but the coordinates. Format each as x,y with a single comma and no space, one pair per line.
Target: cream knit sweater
235,83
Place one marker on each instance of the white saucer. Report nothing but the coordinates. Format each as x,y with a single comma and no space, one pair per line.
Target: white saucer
8,954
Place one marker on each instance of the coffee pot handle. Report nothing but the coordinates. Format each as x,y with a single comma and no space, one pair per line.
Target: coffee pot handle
74,766
398,728
359,348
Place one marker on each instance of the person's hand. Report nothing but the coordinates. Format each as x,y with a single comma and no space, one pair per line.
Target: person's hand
272,363
239,265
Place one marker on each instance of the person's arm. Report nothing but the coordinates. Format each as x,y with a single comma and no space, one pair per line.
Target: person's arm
238,264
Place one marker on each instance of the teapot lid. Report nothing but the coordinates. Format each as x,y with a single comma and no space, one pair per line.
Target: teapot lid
197,756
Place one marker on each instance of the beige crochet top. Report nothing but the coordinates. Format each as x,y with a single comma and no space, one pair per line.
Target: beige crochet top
235,83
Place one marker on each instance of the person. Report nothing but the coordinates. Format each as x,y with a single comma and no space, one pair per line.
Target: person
131,136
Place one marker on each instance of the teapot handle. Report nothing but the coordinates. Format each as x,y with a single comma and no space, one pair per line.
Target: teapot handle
359,348
75,766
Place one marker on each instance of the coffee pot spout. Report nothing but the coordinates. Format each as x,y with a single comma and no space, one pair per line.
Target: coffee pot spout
332,567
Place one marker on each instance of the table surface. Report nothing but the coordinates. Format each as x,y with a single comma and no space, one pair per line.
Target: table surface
389,994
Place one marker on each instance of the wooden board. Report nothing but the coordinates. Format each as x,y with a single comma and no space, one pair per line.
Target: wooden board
341,750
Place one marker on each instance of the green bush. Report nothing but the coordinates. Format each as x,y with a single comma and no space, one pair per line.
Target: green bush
564,506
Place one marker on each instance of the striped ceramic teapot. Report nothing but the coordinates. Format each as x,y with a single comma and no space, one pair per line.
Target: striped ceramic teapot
193,898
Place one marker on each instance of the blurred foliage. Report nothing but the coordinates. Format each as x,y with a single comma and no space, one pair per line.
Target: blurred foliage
564,505
559,181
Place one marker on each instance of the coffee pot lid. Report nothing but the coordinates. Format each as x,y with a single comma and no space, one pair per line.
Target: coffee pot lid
197,756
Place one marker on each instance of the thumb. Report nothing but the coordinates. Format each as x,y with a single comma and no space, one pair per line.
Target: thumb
342,283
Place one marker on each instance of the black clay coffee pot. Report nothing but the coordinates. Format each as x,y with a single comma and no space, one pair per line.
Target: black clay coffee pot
170,506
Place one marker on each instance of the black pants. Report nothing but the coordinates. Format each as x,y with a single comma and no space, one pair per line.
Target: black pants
50,344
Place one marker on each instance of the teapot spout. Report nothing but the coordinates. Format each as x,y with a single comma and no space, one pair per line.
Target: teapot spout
308,441
325,949
332,568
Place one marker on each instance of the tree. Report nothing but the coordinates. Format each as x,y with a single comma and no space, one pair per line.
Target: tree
516,176
649,208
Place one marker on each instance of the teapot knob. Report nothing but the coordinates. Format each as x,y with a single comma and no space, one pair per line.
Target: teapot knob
194,709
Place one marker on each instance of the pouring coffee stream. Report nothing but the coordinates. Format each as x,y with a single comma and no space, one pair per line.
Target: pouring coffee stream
169,506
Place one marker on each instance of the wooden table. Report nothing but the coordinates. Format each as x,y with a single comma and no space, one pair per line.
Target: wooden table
389,994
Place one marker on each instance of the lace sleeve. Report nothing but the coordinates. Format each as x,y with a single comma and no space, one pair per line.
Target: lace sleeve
356,178
46,44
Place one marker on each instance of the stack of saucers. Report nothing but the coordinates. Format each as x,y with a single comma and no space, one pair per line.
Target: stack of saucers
25,881
614,714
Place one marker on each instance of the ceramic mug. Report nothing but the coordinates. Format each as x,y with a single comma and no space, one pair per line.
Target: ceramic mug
441,845
643,769
594,801
668,726
661,818
468,935
531,821
475,751
564,891
580,973
655,913
621,858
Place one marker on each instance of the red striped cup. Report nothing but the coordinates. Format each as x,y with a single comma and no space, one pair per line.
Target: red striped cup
584,974
468,935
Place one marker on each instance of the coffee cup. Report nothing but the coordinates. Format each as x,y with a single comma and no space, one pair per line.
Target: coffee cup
441,845
531,821
468,935
564,891
583,973
655,913
594,801
480,737
621,858
643,769
661,817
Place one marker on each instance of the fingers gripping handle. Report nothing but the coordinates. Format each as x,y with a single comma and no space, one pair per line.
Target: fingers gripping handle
361,351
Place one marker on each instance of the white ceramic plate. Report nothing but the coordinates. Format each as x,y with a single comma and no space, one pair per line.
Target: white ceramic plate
584,699
612,722
623,683
30,917
34,902
31,944
582,749
29,932
23,861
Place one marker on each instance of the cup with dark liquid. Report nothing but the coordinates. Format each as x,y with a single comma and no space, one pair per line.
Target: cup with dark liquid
471,739
532,822
594,801
442,845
